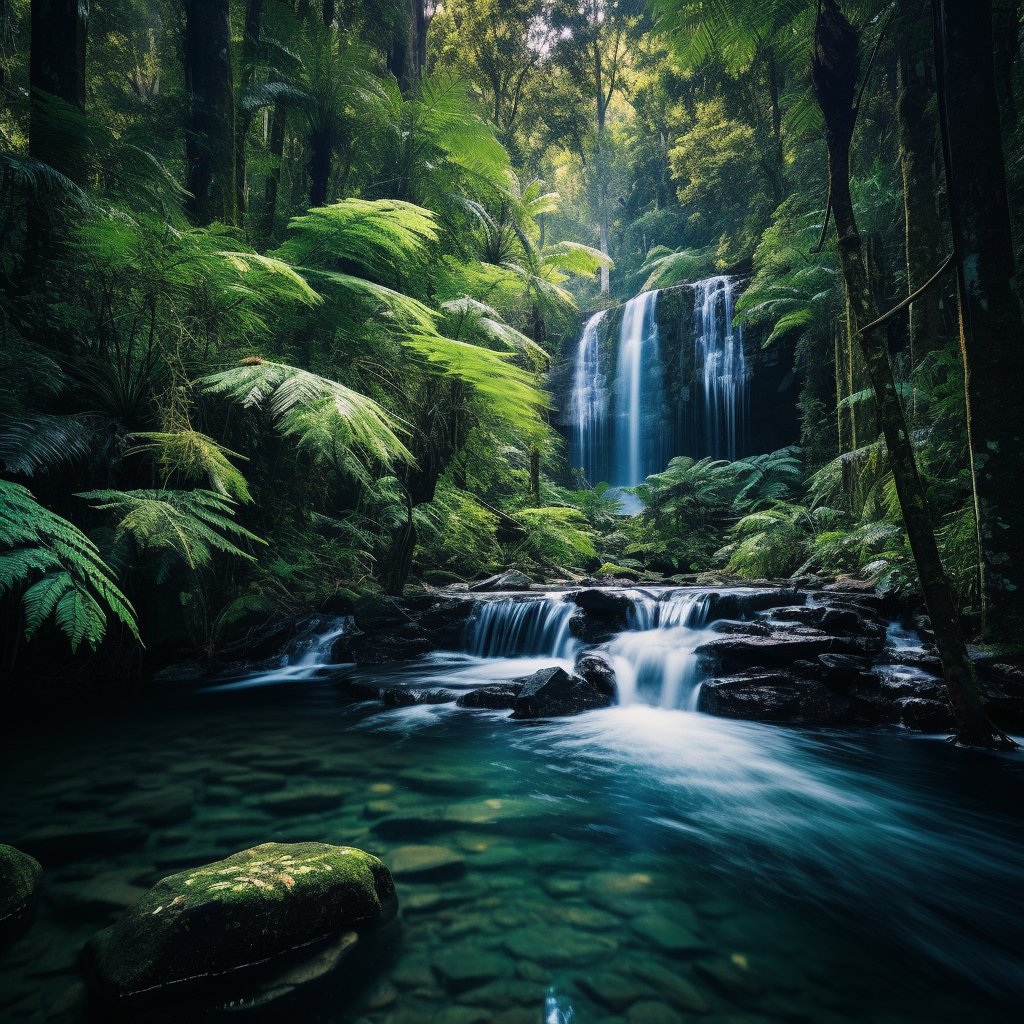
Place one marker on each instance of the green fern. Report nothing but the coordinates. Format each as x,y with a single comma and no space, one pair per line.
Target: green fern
61,569
191,455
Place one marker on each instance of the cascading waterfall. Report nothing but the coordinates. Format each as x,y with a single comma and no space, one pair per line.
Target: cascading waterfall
512,628
654,661
719,359
638,439
589,403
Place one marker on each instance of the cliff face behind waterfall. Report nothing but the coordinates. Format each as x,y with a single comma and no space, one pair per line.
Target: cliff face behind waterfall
772,419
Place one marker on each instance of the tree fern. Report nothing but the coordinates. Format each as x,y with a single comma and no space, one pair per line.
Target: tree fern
60,568
191,525
190,454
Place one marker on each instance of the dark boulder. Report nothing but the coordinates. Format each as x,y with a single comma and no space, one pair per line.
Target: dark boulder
773,697
922,715
491,698
842,620
20,876
511,580
734,653
405,697
737,627
597,670
384,646
809,615
839,669
552,693
603,604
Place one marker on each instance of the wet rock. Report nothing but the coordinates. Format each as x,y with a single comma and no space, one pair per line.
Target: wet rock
59,844
20,876
380,809
650,1012
459,968
842,620
598,671
808,615
922,715
734,627
511,580
498,995
438,781
186,671
406,697
735,654
426,863
841,670
558,946
610,888
412,975
498,859
286,765
559,888
160,807
552,693
773,697
678,991
310,969
241,910
530,971
611,990
731,978
462,1015
577,916
668,936
307,800
491,698
385,647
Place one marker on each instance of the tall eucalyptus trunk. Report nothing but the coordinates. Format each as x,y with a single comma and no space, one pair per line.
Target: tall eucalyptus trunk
991,326
835,69
210,120
57,70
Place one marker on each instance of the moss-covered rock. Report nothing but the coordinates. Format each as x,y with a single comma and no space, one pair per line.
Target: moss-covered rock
238,911
19,890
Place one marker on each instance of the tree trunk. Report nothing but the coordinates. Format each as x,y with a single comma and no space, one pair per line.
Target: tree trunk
923,229
273,179
328,12
399,557
535,474
834,71
319,173
210,120
250,47
991,326
1007,53
56,69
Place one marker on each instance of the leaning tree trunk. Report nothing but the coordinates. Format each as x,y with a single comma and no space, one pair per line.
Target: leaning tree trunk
991,326
210,120
834,71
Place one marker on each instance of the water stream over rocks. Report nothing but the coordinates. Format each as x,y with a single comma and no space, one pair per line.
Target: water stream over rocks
644,863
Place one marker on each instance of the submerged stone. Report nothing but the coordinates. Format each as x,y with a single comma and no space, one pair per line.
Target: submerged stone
667,935
20,875
239,911
678,991
612,990
731,978
553,947
59,844
459,968
426,863
308,800
161,807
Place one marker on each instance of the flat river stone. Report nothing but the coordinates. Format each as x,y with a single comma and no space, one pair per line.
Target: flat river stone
157,807
308,800
239,911
553,947
678,991
668,935
612,990
459,968
426,863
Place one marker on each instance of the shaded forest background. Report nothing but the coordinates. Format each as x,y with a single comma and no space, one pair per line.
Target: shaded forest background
282,282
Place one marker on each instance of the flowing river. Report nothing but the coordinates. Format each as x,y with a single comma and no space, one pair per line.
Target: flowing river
644,863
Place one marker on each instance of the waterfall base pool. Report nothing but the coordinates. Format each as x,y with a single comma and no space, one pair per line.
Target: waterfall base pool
640,864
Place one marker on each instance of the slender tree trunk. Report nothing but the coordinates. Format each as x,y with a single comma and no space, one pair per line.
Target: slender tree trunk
210,121
319,173
57,70
250,46
1007,52
601,168
328,12
991,326
273,179
399,559
917,138
835,70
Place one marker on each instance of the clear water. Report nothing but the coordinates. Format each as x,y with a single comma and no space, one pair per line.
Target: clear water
858,876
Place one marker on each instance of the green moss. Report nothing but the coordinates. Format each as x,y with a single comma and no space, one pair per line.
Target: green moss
241,910
19,882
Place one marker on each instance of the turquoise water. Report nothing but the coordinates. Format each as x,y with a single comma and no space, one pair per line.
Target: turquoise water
591,862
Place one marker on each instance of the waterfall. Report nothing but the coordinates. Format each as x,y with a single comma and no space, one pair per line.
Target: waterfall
654,661
638,448
589,403
719,359
512,628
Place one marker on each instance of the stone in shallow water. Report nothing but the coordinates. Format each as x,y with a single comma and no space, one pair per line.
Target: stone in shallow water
556,946
552,692
380,809
61,844
581,917
413,976
649,1012
732,979
462,1015
459,968
678,991
158,807
498,858
255,782
20,875
498,995
667,935
440,781
611,990
533,972
559,888
308,800
241,910
425,863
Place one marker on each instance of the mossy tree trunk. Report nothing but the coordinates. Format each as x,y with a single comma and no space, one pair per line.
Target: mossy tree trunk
250,47
835,70
991,326
210,120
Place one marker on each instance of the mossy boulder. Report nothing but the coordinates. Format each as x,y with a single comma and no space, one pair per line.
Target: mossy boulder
239,911
19,891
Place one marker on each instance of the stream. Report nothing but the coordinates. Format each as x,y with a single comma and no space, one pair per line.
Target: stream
785,874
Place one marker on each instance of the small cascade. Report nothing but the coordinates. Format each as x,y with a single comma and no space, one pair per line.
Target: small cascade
588,404
654,661
719,359
512,628
639,401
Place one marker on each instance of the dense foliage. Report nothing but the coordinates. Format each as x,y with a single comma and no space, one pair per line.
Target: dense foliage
276,327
